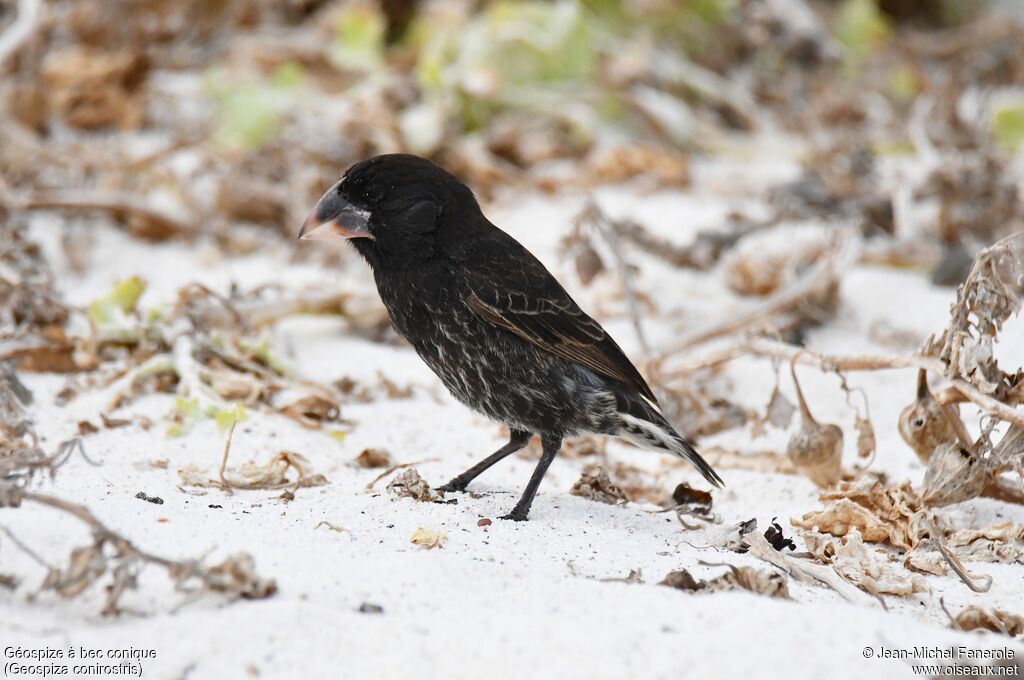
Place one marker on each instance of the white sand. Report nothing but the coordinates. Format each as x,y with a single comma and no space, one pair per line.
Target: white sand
509,600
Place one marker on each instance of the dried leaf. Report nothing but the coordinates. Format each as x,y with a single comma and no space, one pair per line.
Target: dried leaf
864,568
373,458
85,566
997,543
880,513
696,500
311,410
953,475
865,437
595,485
667,167
926,561
989,296
588,263
236,576
429,538
749,275
770,583
92,88
803,570
975,617
271,475
773,534
409,484
780,410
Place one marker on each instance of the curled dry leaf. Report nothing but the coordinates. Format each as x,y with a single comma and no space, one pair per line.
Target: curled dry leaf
236,576
773,534
801,569
429,538
866,568
85,566
696,500
881,514
729,536
595,485
926,561
667,167
92,88
953,475
311,410
762,582
749,275
409,484
975,617
373,458
865,437
1010,449
780,410
816,450
989,296
996,543
760,266
869,570
923,424
271,475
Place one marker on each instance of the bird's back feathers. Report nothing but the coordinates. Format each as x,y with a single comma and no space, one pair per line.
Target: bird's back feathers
511,289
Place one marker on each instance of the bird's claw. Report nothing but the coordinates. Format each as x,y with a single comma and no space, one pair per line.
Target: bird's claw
452,487
515,516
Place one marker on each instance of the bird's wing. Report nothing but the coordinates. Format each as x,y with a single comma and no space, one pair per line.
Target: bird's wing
528,301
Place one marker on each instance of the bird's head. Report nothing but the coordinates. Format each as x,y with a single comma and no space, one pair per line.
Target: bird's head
396,209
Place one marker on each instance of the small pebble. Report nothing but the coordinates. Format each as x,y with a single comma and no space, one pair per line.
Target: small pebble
369,608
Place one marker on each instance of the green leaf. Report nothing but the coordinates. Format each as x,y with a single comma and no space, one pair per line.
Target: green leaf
226,417
1008,125
538,42
250,111
358,38
860,27
904,83
263,351
121,300
188,408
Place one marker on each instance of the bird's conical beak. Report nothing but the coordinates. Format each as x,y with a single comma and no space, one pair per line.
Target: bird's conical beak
335,218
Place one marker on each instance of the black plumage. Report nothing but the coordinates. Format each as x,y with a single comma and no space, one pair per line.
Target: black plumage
487,317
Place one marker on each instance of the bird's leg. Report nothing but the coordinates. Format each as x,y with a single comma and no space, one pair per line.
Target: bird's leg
551,443
516,441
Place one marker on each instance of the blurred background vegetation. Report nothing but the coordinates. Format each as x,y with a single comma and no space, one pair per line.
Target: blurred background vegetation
180,117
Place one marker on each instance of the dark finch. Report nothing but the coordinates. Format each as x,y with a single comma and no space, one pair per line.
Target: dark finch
487,317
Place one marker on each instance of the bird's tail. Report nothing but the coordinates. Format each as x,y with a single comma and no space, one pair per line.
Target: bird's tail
640,423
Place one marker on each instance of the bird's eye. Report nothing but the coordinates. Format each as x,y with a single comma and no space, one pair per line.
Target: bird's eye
919,422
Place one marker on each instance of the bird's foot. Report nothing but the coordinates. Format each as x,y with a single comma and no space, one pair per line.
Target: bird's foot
516,515
456,485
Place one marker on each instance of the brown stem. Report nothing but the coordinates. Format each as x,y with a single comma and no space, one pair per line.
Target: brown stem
804,411
1004,490
827,269
111,202
593,214
843,362
100,529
